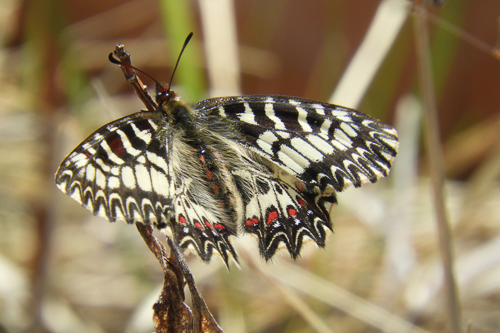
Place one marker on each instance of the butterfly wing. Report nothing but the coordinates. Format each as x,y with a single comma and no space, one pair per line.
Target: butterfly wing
328,147
282,216
125,171
119,173
313,150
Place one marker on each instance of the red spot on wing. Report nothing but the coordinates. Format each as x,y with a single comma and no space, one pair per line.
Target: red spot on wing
252,222
219,226
117,147
209,225
301,202
182,219
292,212
271,217
198,224
86,153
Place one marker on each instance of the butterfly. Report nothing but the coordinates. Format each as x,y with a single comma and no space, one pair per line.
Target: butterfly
265,165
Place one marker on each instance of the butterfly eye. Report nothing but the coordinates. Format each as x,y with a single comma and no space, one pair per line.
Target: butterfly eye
161,96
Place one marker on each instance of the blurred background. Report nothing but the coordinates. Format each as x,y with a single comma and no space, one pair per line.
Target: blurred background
63,270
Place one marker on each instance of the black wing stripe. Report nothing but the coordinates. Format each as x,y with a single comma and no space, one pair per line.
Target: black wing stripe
308,138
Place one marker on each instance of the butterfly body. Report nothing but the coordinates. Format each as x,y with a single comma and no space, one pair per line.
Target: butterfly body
266,165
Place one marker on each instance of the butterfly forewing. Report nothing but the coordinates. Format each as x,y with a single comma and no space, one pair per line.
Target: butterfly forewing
119,172
324,145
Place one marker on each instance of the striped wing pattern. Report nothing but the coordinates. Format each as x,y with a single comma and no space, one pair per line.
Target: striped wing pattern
122,172
116,173
265,165
282,216
326,146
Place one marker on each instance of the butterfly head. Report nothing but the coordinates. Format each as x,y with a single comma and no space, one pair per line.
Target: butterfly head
164,94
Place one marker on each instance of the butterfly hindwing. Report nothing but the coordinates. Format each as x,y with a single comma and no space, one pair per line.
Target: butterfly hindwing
282,216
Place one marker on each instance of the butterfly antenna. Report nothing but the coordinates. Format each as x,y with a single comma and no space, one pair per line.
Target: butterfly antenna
188,38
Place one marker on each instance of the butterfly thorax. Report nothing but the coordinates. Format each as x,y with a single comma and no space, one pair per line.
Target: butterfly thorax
203,163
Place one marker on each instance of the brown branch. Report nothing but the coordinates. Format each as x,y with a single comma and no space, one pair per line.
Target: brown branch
171,314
